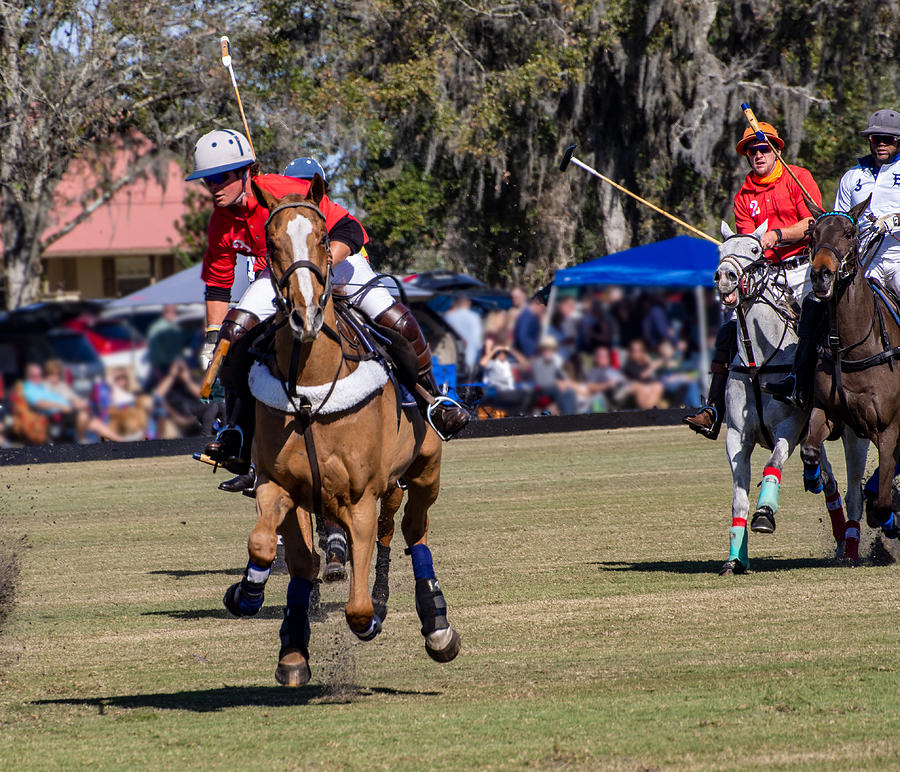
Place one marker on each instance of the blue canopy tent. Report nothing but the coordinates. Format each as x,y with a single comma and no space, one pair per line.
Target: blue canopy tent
682,261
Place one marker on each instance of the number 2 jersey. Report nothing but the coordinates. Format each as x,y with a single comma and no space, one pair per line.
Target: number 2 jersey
237,237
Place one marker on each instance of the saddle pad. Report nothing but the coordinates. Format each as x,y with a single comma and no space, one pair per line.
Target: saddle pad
348,391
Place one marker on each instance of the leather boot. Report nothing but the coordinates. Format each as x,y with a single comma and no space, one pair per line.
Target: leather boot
708,419
796,388
243,482
447,418
231,447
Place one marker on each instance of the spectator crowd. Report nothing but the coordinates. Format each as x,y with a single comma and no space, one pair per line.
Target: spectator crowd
599,351
43,407
603,350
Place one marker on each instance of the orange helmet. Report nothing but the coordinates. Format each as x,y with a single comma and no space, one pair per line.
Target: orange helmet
750,137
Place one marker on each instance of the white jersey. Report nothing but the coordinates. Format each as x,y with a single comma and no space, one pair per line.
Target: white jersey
884,186
863,180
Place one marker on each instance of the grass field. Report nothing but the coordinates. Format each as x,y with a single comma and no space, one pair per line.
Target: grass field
580,570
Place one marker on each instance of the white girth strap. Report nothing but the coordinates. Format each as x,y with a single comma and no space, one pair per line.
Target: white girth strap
348,392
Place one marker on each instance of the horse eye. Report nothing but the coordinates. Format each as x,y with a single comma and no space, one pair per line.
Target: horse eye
754,250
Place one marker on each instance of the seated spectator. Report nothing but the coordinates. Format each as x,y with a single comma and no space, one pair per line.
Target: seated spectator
551,378
128,412
641,371
679,387
503,390
608,385
178,397
564,326
51,395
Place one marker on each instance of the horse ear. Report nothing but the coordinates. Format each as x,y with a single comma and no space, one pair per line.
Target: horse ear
761,229
316,189
857,210
814,209
726,231
263,196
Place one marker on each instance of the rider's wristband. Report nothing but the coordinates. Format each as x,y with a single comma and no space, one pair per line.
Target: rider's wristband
212,333
777,232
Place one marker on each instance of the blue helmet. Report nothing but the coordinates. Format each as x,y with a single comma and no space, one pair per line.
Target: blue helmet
305,169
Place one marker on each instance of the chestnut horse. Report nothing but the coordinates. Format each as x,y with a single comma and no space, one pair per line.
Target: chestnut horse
857,383
333,438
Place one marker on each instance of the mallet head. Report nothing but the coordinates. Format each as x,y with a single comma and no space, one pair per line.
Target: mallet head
567,156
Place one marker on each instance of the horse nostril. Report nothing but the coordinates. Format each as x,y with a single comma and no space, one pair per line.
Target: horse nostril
296,319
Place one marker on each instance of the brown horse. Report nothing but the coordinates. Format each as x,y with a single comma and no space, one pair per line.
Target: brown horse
332,439
857,383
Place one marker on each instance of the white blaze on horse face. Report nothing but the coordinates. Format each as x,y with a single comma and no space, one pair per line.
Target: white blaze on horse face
298,231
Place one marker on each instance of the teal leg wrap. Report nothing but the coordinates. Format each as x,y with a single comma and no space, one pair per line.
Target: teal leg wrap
738,545
768,493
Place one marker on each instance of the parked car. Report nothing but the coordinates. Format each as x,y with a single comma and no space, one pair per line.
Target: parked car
116,341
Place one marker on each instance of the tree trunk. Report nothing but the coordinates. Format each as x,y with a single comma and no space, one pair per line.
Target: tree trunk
21,254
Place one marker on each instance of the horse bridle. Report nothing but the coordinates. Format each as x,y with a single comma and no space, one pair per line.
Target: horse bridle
750,283
844,271
280,285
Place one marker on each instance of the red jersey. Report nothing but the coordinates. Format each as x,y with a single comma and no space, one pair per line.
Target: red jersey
240,237
780,202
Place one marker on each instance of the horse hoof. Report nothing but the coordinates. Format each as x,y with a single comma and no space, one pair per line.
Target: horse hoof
292,675
380,611
731,567
334,572
443,645
763,521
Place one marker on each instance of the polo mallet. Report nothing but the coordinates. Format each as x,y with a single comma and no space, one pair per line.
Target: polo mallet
226,60
212,371
763,137
569,157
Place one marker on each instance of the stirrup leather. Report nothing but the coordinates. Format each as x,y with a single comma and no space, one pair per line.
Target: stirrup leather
440,399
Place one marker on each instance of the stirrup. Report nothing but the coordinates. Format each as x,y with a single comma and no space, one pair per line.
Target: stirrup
441,399
712,431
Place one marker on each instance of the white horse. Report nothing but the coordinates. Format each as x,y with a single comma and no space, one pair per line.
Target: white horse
766,310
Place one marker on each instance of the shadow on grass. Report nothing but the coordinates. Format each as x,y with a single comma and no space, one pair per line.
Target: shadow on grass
211,700
266,612
757,565
184,574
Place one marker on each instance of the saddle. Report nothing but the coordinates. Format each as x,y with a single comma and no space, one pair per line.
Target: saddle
361,340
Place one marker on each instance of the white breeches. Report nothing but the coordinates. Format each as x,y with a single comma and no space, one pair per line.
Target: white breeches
798,281
885,266
347,277
352,274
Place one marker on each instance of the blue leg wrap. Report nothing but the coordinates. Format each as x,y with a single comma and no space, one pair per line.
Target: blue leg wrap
252,589
423,567
872,482
298,592
768,493
737,542
812,479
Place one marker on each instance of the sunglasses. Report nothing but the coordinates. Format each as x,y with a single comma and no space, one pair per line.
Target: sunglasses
765,149
218,179
883,139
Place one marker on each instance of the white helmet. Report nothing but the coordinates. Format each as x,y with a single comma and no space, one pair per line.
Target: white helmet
220,151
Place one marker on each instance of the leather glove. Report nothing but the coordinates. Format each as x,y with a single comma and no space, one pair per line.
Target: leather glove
209,347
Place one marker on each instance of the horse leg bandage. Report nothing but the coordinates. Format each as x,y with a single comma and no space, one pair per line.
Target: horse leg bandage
768,492
737,541
851,541
423,566
431,606
836,513
245,598
294,631
381,588
812,478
